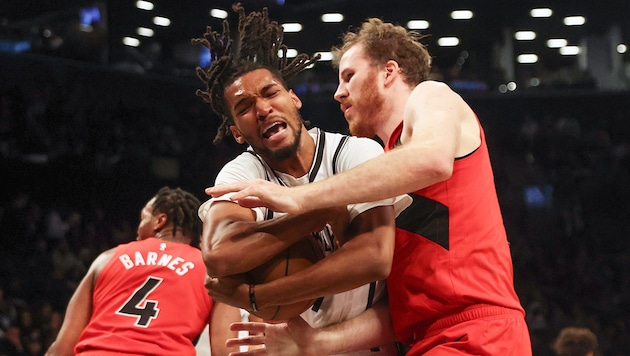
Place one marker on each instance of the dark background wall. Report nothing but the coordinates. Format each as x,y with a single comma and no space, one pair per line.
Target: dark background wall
82,148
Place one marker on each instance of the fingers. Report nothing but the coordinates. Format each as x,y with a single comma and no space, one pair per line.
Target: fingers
245,341
219,190
249,201
255,340
248,326
254,352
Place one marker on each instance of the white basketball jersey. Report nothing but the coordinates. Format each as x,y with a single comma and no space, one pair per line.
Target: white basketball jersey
335,153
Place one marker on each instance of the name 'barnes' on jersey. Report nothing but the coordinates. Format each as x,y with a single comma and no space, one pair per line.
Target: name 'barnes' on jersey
152,258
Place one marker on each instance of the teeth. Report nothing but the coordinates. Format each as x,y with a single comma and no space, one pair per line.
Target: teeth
266,134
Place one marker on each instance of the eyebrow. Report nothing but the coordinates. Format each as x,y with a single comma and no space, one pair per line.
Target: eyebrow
264,89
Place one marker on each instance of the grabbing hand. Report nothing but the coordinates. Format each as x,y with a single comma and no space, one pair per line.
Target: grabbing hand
231,290
293,338
261,193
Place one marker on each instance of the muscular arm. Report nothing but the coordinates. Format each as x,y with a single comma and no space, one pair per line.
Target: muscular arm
79,310
366,257
431,141
230,231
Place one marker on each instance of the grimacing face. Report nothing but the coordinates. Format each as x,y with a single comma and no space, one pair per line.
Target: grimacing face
266,115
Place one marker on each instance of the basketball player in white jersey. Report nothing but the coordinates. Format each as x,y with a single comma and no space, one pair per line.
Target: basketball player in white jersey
258,109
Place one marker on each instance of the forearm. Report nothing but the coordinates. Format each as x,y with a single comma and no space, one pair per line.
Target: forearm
400,171
371,328
364,259
224,243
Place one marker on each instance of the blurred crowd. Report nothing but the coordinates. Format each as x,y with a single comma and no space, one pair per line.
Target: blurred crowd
80,150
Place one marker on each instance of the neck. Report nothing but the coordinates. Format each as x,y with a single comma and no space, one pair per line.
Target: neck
300,163
395,113
172,235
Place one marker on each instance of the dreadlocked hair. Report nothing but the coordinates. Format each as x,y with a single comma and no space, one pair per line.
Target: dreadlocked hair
259,47
181,208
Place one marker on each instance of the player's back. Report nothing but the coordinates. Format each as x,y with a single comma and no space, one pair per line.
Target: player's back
149,299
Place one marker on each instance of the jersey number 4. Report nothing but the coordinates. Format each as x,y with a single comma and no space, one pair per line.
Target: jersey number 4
139,307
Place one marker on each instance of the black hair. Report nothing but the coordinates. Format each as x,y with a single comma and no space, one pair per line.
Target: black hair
180,206
259,45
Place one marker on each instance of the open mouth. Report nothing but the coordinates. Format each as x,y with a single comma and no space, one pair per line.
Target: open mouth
276,128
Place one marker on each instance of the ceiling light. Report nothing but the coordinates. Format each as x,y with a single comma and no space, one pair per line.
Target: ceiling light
218,13
525,35
143,31
556,42
462,15
144,5
418,25
541,12
325,56
622,48
130,41
292,27
569,50
332,17
448,41
527,58
161,21
574,20
291,52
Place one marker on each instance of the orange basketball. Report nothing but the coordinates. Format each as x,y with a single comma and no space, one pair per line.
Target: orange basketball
300,255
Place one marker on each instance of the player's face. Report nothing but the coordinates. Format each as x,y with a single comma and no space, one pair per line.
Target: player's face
358,92
145,227
265,114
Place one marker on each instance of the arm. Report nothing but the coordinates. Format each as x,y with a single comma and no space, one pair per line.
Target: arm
372,327
229,229
79,310
366,257
432,121
222,316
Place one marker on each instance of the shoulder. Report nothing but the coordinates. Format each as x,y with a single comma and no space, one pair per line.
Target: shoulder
245,166
431,88
101,261
432,96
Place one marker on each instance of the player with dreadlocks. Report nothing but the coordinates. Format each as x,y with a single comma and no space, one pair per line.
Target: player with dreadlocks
259,44
145,297
246,86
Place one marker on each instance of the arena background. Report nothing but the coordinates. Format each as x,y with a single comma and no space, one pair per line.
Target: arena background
90,128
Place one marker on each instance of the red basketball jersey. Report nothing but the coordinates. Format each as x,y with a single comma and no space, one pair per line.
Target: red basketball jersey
451,249
149,299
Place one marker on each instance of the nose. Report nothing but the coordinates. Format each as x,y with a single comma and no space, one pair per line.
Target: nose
341,92
263,109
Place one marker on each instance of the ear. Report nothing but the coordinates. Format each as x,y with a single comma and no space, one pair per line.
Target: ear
296,99
160,220
237,134
392,71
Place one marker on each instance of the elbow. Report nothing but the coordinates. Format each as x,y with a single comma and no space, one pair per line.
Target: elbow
444,170
435,170
216,266
381,273
381,264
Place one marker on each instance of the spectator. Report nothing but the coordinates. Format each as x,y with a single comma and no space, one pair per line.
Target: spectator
575,341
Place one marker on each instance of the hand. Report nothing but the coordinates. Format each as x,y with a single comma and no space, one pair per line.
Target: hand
282,339
231,290
261,193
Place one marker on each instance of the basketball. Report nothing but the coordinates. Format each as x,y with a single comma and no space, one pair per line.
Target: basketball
297,257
